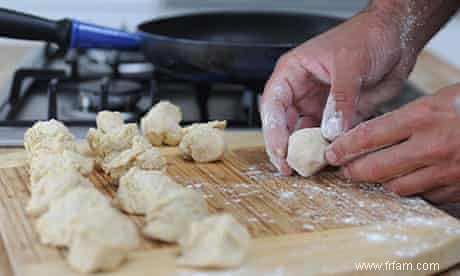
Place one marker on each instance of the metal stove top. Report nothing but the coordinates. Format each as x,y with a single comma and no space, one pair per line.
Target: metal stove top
75,85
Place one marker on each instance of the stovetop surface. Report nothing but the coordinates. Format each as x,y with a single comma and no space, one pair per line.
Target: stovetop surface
96,80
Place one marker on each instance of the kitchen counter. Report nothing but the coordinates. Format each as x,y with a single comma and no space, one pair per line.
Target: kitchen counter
430,74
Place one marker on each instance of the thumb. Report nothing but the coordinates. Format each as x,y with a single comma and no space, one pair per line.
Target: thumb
341,106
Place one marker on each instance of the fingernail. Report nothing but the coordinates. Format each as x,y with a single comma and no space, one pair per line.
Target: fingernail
332,123
331,157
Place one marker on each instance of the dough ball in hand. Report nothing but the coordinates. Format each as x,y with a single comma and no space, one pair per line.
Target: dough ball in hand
101,241
44,162
108,121
56,226
169,217
51,187
203,144
306,151
161,124
217,241
139,189
49,136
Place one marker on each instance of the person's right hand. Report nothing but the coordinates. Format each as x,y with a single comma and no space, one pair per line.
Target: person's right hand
361,63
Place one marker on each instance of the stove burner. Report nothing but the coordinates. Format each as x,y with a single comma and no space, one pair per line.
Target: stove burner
109,94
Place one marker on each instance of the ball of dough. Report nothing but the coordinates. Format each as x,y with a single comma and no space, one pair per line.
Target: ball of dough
142,155
101,241
51,187
139,189
203,144
217,241
51,136
44,162
169,217
56,226
108,121
161,124
213,124
103,144
306,151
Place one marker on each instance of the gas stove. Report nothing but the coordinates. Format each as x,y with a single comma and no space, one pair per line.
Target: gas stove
72,86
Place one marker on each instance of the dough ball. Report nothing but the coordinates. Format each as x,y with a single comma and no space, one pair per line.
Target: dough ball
203,144
56,226
139,188
161,124
103,144
141,155
51,136
169,217
101,241
213,124
45,162
108,121
217,241
51,187
306,151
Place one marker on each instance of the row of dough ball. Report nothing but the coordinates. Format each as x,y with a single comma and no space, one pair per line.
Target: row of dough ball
75,215
177,214
71,212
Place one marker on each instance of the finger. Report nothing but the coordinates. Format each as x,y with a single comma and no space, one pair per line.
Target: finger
386,164
424,180
369,136
288,81
292,117
276,135
445,194
341,104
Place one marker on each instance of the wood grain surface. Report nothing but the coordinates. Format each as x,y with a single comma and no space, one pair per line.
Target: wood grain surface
430,74
246,185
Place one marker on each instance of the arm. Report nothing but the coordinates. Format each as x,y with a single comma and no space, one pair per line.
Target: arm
418,20
413,23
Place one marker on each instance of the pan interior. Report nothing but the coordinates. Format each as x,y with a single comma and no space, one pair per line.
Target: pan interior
242,27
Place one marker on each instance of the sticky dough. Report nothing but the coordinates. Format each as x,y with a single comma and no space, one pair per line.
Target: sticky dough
141,155
44,162
218,241
53,186
139,189
50,136
56,226
306,151
169,218
161,124
204,142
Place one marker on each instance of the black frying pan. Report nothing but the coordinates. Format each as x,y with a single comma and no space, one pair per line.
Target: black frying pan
224,46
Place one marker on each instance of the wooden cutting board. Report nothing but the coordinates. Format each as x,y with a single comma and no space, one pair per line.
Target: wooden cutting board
286,217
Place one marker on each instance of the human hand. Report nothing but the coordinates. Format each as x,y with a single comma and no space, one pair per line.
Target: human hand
360,62
414,150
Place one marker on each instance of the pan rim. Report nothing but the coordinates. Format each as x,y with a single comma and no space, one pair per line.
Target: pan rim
189,41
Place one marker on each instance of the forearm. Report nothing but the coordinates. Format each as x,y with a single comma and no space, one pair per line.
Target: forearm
417,21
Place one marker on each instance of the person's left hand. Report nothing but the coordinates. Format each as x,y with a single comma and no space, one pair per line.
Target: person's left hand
413,150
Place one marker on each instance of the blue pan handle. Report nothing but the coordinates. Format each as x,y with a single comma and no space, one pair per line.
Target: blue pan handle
84,35
66,33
